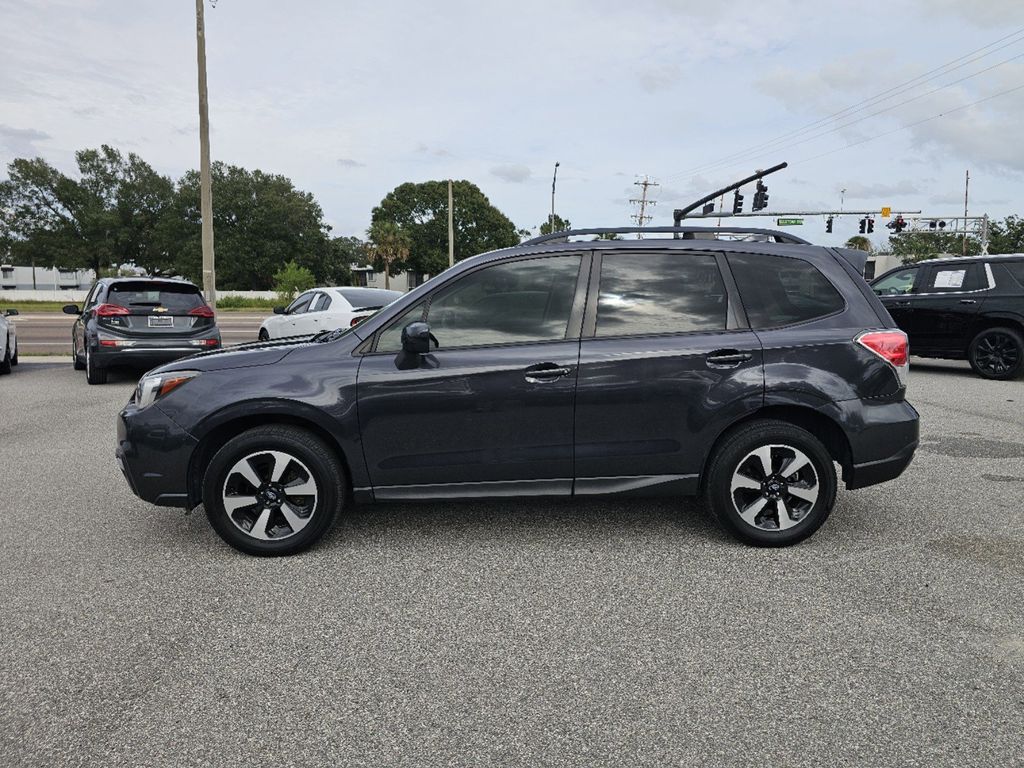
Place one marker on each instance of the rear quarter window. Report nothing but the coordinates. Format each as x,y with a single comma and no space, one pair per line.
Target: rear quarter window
779,290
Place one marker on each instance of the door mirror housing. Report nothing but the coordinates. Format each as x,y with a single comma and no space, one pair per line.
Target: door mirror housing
280,310
11,313
416,338
71,309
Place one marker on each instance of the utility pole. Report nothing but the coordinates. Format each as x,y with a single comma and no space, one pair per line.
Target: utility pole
642,216
554,178
205,192
451,228
967,184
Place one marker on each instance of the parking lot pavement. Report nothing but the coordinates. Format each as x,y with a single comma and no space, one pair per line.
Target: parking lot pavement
49,333
606,633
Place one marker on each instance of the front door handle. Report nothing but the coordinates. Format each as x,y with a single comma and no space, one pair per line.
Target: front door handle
727,358
544,372
968,301
904,303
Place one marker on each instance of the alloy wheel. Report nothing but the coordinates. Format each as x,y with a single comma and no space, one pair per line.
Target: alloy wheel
270,495
774,487
996,354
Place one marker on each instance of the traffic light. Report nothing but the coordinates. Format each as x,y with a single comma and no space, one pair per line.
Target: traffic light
828,224
737,202
760,196
897,225
871,226
863,226
709,208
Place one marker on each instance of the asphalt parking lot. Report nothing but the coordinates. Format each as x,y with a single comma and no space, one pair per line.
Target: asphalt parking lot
605,633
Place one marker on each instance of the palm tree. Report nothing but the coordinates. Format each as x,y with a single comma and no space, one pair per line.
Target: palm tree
860,242
388,246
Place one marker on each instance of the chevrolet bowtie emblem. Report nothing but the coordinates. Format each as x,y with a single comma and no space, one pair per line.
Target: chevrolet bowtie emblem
159,309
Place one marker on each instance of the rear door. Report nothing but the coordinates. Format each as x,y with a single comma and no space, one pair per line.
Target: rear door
665,361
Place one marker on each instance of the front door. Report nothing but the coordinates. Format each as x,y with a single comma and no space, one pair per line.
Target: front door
665,363
490,411
946,306
896,290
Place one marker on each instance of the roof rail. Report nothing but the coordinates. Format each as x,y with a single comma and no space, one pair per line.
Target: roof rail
688,233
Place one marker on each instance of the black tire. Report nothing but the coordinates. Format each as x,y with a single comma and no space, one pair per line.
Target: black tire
733,459
5,362
94,374
311,459
78,364
264,336
14,357
997,353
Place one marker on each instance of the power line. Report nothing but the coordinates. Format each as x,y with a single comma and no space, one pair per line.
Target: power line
885,95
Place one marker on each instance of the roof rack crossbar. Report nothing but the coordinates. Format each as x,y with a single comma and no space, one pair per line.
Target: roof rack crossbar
780,237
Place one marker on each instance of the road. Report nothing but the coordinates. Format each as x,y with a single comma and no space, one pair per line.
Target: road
49,333
602,633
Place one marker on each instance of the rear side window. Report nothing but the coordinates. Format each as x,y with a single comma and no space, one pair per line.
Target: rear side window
171,296
645,293
954,278
778,290
1016,270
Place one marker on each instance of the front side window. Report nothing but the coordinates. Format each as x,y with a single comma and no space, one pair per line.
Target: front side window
390,339
896,284
955,278
647,293
300,305
780,290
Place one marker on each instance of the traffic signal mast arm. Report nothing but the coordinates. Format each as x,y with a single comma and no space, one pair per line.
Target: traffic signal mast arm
681,213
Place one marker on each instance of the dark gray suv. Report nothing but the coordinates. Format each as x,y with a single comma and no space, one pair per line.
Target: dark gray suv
742,370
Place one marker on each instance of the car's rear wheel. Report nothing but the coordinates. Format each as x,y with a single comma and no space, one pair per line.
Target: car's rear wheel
5,361
273,490
94,374
997,353
264,336
75,360
14,357
771,483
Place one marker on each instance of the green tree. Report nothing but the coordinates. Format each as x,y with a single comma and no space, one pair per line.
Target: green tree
260,220
1006,236
918,246
860,243
421,210
345,251
560,225
388,248
290,280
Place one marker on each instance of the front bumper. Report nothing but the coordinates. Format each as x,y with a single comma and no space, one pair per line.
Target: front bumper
883,438
153,453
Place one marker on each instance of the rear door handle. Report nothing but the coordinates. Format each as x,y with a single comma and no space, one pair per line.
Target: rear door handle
968,301
904,303
544,372
728,358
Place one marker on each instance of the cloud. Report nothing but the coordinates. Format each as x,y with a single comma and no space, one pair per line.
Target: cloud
20,142
515,173
347,162
856,191
424,149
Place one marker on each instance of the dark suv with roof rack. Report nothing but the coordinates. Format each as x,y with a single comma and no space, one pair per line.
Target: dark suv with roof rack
743,371
961,308
139,322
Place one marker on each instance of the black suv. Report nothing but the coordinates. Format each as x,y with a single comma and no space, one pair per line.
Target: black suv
738,370
962,308
139,322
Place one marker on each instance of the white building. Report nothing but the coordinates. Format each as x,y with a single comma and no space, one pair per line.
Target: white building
44,278
365,276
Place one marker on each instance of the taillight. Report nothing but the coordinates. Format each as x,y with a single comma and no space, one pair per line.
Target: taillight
356,321
111,310
203,311
891,346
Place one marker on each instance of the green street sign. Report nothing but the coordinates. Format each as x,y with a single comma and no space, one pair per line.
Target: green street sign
789,222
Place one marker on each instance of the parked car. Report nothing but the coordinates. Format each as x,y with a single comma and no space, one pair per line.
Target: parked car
139,322
737,370
324,309
8,341
961,309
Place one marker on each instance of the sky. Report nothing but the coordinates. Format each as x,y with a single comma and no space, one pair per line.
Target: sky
890,102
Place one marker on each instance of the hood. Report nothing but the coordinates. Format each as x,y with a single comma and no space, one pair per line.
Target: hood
237,356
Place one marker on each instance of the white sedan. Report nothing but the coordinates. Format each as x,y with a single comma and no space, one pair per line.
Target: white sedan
325,309
8,341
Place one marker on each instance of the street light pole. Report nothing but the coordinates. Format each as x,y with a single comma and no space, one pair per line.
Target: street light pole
554,178
205,192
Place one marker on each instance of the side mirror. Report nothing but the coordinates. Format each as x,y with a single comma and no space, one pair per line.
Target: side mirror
11,312
280,310
71,309
416,338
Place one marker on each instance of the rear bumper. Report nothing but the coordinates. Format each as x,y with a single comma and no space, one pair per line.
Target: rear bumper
149,353
882,442
153,455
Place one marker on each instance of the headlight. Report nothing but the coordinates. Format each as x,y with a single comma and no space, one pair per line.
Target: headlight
152,388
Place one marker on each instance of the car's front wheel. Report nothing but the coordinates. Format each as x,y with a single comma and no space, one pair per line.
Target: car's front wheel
273,490
264,336
997,353
5,361
771,483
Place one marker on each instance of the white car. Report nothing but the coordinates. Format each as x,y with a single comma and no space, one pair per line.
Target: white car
325,309
8,341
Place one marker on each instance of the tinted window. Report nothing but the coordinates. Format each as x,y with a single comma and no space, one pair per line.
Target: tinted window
896,284
300,305
174,297
369,297
323,301
515,302
1016,270
660,293
954,278
390,339
777,290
